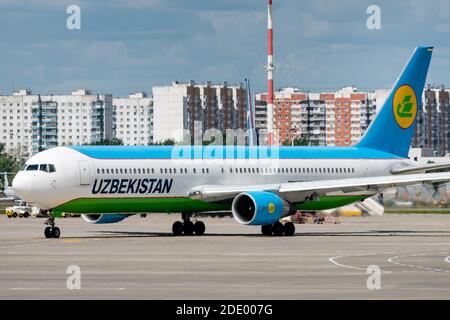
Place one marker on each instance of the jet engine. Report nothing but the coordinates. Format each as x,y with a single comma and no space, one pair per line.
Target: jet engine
104,218
260,208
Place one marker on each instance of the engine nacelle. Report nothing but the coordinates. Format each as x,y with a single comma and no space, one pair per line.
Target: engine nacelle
104,218
260,208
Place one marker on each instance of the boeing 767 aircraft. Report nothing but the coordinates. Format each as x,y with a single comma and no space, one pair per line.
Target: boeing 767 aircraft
259,185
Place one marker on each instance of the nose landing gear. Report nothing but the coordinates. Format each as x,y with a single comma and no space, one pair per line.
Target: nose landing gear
187,227
51,231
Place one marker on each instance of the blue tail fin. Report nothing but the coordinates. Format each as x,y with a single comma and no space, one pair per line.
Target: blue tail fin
393,127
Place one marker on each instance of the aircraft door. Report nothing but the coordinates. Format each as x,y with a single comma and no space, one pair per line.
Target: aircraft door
83,167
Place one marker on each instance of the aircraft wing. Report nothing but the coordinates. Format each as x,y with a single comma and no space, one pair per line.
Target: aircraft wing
302,191
420,168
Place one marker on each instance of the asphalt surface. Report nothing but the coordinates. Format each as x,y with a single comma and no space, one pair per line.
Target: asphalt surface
140,259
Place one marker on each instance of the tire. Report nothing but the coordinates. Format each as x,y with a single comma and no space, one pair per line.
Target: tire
14,215
277,229
177,228
188,228
199,228
26,215
266,230
289,229
48,232
56,232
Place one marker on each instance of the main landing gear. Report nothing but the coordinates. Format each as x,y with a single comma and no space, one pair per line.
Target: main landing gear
51,231
187,227
278,229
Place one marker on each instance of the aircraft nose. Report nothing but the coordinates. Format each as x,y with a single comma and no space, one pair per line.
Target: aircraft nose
22,186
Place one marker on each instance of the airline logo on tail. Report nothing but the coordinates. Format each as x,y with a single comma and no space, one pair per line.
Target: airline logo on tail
405,106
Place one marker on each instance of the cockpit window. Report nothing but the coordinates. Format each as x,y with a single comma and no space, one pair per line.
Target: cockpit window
32,167
43,167
51,168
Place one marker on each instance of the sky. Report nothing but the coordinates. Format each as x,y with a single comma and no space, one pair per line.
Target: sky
125,46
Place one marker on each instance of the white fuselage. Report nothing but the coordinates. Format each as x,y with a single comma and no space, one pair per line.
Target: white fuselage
78,176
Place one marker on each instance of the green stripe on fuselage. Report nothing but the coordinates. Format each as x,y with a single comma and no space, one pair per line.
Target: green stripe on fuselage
182,204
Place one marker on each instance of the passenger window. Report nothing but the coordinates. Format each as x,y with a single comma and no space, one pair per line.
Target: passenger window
121,171
103,171
98,171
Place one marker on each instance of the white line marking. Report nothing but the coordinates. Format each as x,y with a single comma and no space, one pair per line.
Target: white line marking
416,266
332,260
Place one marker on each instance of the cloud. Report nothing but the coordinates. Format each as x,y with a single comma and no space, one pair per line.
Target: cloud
125,46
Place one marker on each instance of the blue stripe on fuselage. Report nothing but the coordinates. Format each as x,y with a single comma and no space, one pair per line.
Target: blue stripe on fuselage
217,152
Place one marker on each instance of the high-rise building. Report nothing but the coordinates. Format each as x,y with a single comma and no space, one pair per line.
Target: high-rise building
433,121
328,118
196,108
28,122
133,119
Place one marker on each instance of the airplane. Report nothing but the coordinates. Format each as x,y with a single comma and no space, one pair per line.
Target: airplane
259,185
7,190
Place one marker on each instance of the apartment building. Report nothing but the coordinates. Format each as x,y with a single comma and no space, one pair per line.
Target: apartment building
326,118
196,108
30,122
433,121
133,119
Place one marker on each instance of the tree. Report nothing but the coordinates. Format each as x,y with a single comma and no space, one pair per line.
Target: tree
108,142
303,141
167,142
8,163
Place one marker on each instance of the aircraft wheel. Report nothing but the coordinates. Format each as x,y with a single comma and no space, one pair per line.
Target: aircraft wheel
56,232
188,228
199,228
48,232
277,228
177,228
289,229
266,230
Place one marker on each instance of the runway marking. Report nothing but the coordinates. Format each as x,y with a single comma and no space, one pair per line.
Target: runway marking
422,268
73,241
333,260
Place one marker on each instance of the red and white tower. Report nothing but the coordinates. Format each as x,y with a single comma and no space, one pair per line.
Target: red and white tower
270,68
